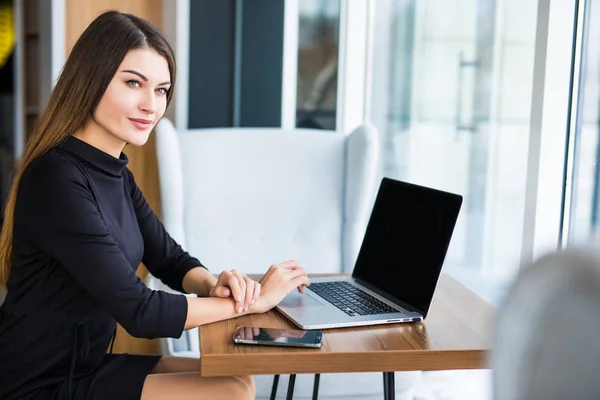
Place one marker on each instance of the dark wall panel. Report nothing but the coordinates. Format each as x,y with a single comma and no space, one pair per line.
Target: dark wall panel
211,63
262,63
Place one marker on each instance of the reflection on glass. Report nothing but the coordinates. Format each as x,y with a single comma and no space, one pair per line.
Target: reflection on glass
585,205
451,96
318,40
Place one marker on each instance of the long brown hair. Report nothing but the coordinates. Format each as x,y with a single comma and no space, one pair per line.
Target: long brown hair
85,76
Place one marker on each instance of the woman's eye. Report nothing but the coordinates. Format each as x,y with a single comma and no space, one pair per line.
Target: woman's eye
162,90
134,83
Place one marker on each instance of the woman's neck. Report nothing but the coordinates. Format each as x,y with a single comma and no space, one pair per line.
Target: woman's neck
97,136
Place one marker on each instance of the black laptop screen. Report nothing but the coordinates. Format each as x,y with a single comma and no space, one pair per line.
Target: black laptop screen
406,241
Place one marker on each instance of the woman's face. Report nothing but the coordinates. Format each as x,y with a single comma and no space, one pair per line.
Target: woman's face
135,99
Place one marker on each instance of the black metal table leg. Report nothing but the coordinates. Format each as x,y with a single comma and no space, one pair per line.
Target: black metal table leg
316,387
274,388
290,392
389,387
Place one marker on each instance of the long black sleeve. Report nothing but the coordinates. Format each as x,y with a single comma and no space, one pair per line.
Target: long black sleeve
61,208
163,257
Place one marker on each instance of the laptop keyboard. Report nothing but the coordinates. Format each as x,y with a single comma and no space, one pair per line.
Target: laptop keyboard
350,299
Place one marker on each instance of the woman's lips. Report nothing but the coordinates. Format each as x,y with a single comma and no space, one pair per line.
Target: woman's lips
141,124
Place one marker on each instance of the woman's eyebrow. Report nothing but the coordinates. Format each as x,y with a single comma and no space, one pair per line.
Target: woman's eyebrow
143,77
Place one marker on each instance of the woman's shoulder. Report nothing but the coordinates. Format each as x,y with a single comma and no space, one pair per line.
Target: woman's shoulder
48,183
54,167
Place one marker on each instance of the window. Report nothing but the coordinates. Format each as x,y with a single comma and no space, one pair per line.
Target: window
451,96
318,42
585,195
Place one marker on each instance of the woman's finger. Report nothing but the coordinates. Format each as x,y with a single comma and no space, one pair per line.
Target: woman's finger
236,291
222,291
300,280
257,287
292,264
242,285
249,292
301,289
295,273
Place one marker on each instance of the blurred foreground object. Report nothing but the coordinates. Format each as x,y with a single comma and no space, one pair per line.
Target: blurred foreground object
7,31
547,333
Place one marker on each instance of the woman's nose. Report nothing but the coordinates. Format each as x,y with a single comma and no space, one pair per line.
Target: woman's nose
148,104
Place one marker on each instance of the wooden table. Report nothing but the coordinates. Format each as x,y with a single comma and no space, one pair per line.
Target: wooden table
455,335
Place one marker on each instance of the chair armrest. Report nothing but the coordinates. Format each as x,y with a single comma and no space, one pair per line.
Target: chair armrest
362,174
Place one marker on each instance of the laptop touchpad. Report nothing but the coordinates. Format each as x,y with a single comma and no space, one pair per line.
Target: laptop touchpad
300,300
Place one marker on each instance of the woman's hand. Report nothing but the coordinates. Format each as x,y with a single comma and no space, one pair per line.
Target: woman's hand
233,283
279,281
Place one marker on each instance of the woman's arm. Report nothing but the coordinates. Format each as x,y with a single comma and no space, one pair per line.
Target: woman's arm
199,281
205,310
163,257
278,282
176,268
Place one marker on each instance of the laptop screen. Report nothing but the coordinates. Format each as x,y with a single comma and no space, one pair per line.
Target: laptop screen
406,241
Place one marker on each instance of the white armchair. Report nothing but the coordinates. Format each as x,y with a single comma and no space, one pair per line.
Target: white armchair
247,198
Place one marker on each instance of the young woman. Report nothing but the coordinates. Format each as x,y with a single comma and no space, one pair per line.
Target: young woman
77,226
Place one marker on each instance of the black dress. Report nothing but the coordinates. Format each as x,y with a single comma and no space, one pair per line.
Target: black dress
81,228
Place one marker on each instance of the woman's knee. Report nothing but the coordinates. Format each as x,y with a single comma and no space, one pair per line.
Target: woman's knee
249,382
193,386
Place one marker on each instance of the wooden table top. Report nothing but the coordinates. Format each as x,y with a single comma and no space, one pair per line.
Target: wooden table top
455,335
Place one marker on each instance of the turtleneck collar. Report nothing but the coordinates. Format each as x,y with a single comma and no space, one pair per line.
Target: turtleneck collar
95,157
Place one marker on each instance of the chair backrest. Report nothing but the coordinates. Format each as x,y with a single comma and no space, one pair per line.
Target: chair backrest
546,343
246,198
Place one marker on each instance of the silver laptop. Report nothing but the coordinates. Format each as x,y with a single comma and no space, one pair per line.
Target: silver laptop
397,268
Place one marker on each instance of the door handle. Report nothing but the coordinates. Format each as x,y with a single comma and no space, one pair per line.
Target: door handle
462,64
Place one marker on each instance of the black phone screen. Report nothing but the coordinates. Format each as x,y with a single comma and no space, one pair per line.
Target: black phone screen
278,337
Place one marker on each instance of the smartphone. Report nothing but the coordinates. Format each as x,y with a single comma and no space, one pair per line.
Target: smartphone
278,337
